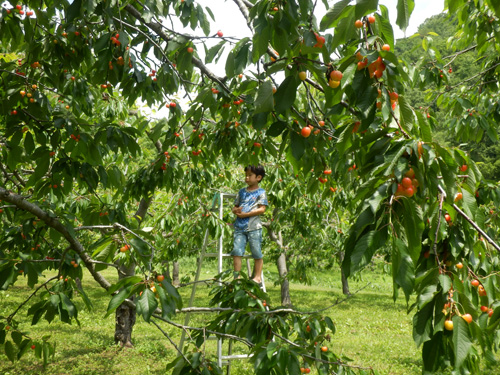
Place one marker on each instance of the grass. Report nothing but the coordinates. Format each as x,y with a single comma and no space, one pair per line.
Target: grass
372,330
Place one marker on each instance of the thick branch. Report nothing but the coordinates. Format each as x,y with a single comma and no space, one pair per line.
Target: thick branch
54,222
157,28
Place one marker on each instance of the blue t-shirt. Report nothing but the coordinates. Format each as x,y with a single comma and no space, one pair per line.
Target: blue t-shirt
248,201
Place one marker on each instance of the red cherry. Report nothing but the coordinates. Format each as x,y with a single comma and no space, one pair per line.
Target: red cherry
406,182
409,191
306,131
336,75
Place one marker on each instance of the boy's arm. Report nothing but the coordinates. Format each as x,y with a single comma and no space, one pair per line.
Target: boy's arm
258,211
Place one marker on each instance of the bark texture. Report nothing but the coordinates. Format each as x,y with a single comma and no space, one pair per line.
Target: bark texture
285,284
125,314
345,282
281,263
175,274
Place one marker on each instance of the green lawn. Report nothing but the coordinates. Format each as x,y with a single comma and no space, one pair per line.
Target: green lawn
372,330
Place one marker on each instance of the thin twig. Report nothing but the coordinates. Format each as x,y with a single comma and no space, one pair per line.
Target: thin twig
476,227
169,339
242,340
9,318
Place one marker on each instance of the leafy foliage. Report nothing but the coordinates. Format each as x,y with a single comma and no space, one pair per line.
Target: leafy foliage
90,181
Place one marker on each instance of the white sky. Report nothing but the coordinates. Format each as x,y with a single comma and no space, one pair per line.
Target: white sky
231,22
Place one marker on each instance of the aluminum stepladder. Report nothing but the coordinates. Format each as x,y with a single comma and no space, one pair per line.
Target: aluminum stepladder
217,207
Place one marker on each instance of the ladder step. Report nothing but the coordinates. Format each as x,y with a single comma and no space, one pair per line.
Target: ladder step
236,356
216,255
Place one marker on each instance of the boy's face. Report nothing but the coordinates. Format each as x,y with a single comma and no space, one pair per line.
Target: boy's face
251,178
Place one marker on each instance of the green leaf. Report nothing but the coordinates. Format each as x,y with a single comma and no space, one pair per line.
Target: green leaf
147,304
407,115
141,247
68,305
42,166
10,351
271,348
297,146
403,268
260,42
405,8
172,291
74,10
422,324
385,28
17,337
264,101
365,248
126,281
276,129
432,352
333,14
167,303
118,299
461,340
293,364
427,295
425,129
259,120
230,64
286,93
29,144
413,223
364,7
213,51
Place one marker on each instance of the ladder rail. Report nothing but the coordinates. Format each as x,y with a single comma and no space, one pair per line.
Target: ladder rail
222,360
193,290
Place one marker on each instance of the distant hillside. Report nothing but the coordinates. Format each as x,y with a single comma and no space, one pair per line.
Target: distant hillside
437,30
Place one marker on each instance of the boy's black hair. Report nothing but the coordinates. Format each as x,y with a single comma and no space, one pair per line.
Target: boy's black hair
257,170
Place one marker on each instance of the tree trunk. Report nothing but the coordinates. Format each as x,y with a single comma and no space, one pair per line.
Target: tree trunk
285,284
281,263
345,283
125,314
175,274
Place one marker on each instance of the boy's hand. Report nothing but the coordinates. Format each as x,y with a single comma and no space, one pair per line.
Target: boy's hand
237,210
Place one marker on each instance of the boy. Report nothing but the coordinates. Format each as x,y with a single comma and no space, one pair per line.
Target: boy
249,204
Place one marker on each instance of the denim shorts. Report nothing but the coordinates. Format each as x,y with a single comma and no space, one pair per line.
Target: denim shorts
254,239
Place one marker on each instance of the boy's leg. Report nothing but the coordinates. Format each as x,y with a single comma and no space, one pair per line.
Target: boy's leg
255,242
257,270
237,263
240,242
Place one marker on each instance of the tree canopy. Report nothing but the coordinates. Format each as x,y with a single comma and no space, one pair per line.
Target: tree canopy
324,102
